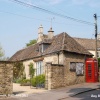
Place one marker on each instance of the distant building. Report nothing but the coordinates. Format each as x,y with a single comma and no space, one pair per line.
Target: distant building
89,44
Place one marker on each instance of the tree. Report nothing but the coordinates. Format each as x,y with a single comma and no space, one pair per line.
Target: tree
1,53
18,70
99,62
31,42
31,70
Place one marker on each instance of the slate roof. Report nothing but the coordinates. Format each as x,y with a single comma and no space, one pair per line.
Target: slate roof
60,42
88,44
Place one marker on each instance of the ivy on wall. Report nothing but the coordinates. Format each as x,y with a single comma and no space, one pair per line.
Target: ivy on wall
18,70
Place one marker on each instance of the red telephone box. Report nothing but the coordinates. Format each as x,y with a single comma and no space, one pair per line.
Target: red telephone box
91,70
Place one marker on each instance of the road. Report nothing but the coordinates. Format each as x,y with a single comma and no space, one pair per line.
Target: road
91,95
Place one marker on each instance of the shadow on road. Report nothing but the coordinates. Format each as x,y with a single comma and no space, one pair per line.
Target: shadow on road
18,92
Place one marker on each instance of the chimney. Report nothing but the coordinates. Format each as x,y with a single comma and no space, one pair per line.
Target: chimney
40,30
50,33
40,33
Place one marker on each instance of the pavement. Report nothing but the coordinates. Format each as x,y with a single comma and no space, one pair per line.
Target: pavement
55,94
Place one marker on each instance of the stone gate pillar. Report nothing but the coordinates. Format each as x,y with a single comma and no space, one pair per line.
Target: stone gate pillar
6,77
48,73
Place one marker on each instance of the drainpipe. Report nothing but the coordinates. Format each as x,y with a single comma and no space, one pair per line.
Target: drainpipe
58,57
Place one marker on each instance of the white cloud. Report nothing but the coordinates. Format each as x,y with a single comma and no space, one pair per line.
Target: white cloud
95,4
91,3
80,2
55,1
43,2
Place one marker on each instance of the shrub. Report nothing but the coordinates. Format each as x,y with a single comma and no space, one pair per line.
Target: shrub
99,62
38,80
31,70
25,82
18,70
17,80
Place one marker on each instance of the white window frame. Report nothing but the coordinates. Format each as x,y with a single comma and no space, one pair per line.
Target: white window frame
39,68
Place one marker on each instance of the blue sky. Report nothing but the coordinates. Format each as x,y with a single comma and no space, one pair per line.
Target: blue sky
19,24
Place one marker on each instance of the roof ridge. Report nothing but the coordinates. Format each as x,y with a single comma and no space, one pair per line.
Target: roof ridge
83,38
63,41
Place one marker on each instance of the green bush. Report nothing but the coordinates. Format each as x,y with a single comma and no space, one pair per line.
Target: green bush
17,80
99,62
40,79
33,81
25,82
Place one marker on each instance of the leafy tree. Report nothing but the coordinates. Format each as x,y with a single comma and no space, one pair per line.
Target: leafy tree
31,42
18,70
1,53
31,70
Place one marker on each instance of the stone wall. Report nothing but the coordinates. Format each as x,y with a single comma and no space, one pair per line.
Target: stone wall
70,77
61,75
54,76
26,64
54,58
6,77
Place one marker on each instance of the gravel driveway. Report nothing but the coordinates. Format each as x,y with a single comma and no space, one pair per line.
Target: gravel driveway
17,89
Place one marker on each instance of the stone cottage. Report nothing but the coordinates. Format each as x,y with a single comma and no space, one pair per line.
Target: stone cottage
59,57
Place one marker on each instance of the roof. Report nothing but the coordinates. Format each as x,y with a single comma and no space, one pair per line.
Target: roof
88,44
60,42
46,41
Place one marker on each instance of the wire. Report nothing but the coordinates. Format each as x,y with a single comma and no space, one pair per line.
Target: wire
50,12
22,15
37,18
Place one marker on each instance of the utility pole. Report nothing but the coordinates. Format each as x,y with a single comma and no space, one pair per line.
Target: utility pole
95,17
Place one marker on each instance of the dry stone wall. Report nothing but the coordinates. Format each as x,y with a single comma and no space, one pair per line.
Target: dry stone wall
6,77
70,78
61,75
54,76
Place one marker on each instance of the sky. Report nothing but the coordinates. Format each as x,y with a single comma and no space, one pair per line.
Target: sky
19,23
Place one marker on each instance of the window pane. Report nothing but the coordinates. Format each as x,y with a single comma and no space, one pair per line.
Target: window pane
39,68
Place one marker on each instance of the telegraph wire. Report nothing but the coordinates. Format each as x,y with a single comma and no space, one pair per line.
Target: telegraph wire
22,15
56,8
37,18
50,12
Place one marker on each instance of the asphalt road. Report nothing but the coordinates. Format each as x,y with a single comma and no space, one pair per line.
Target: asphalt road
91,95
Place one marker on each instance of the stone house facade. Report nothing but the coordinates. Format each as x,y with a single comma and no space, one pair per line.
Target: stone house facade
54,56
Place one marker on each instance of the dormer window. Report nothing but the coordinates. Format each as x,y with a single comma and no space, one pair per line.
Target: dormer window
43,47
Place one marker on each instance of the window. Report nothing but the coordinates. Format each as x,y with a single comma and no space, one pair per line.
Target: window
39,68
72,66
43,47
77,67
40,48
